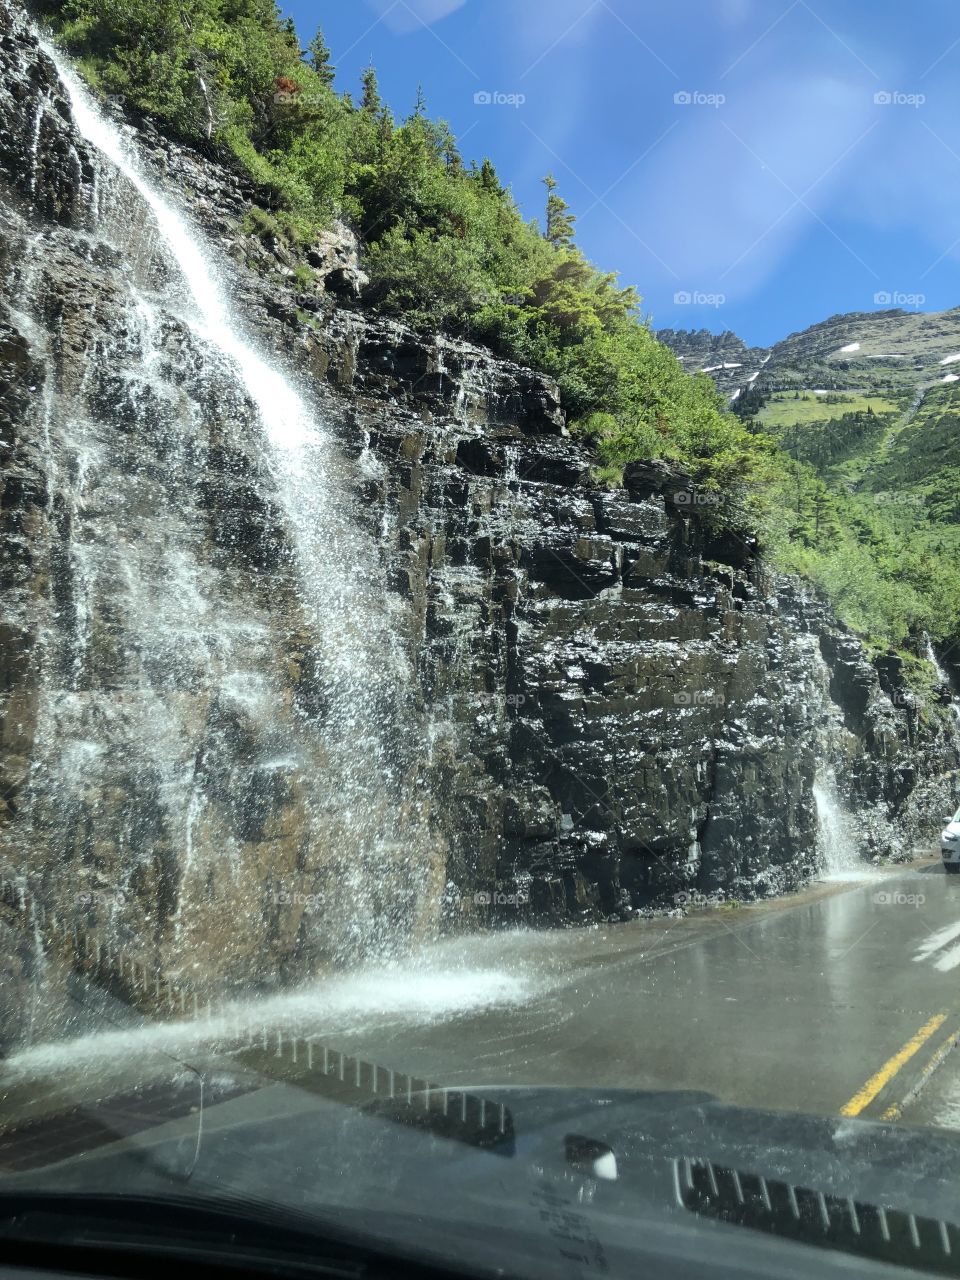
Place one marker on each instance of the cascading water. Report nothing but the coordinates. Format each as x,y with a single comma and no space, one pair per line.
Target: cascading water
227,770
944,679
838,844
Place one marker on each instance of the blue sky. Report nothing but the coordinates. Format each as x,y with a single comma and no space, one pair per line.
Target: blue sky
755,165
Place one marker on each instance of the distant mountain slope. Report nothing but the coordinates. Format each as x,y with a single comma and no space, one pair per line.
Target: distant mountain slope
725,356
894,352
870,402
922,458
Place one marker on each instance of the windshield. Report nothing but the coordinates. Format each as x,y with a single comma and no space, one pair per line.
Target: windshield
481,631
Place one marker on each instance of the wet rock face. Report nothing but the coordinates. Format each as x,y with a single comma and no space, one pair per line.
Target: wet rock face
165,697
613,705
335,259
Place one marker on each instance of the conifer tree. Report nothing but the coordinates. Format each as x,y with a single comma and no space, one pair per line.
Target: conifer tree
321,59
371,100
488,178
560,220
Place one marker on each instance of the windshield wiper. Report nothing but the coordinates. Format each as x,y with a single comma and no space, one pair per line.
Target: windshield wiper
816,1218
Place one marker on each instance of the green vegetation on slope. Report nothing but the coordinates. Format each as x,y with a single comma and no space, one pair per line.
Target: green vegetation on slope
886,582
447,248
923,458
443,241
787,409
869,510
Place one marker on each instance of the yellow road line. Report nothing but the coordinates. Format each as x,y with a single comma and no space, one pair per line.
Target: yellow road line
890,1068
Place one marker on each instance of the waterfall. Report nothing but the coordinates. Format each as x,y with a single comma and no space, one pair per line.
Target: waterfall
944,679
228,719
837,838
839,841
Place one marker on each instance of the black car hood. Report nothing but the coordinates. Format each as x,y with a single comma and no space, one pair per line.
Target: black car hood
577,1182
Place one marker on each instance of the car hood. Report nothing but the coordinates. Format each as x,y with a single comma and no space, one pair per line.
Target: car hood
575,1180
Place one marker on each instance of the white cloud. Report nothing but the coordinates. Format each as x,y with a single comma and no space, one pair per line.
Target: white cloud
560,24
914,180
717,200
411,15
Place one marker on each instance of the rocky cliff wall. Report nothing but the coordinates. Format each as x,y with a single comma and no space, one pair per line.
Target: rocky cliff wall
611,704
628,705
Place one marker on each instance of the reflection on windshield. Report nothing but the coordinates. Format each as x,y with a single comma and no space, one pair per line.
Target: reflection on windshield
475,733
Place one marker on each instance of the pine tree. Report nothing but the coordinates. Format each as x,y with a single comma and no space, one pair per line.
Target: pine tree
560,221
488,178
451,154
420,110
371,100
321,59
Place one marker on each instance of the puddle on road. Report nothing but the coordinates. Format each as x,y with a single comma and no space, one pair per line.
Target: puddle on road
853,875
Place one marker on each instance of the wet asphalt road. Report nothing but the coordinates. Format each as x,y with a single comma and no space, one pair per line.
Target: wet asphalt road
837,1001
842,999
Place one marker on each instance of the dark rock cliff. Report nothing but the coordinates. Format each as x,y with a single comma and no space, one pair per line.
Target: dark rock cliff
612,704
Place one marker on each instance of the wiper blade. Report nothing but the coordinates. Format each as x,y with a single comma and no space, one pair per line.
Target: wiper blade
391,1095
816,1218
303,1063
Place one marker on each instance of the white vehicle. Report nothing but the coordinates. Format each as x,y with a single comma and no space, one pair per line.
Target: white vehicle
950,844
